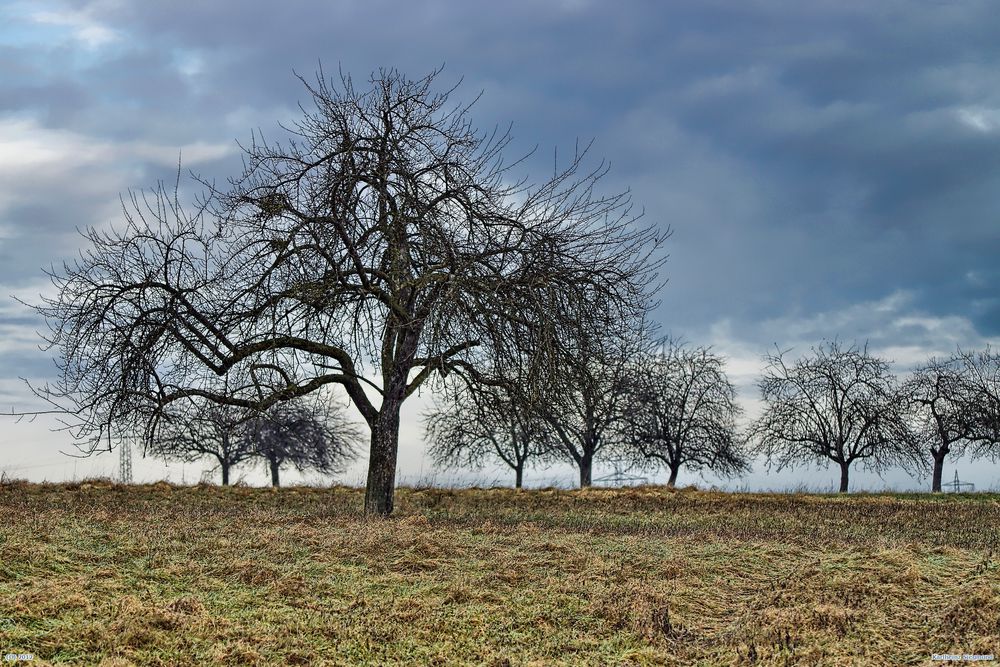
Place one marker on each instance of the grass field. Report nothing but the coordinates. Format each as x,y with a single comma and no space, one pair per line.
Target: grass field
94,573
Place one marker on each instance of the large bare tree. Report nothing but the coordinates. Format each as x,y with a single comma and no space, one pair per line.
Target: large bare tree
838,404
943,400
384,242
477,424
682,412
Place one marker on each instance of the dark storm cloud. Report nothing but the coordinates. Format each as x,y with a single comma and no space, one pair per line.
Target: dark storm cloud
810,156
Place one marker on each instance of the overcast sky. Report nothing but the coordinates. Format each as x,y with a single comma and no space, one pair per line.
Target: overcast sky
829,168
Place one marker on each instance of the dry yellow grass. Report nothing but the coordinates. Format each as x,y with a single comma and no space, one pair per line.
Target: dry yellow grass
95,573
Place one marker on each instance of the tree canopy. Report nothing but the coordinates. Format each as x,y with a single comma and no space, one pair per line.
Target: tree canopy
382,242
479,424
682,412
943,409
839,404
306,434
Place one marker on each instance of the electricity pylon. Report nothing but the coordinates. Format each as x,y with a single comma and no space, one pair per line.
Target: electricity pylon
125,463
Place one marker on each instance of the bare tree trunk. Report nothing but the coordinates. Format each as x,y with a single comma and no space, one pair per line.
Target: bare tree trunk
274,472
938,471
586,469
843,477
673,475
518,476
382,458
225,473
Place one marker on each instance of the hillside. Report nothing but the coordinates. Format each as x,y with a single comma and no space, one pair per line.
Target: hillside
95,573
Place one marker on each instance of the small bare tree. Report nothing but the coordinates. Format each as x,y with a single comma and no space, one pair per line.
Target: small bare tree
306,434
384,243
943,403
476,424
197,429
583,402
838,404
682,412
982,368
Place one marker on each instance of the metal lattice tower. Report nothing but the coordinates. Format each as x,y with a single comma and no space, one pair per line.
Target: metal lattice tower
125,463
620,477
959,486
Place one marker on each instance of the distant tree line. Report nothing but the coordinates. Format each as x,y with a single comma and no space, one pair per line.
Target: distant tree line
665,405
670,406
305,435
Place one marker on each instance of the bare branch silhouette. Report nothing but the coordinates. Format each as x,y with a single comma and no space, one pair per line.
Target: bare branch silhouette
837,404
384,244
682,412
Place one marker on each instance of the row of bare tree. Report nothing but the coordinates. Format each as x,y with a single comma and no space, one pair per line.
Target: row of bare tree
843,405
382,245
674,407
307,434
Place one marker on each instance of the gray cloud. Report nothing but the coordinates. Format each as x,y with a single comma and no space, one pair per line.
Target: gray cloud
814,159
